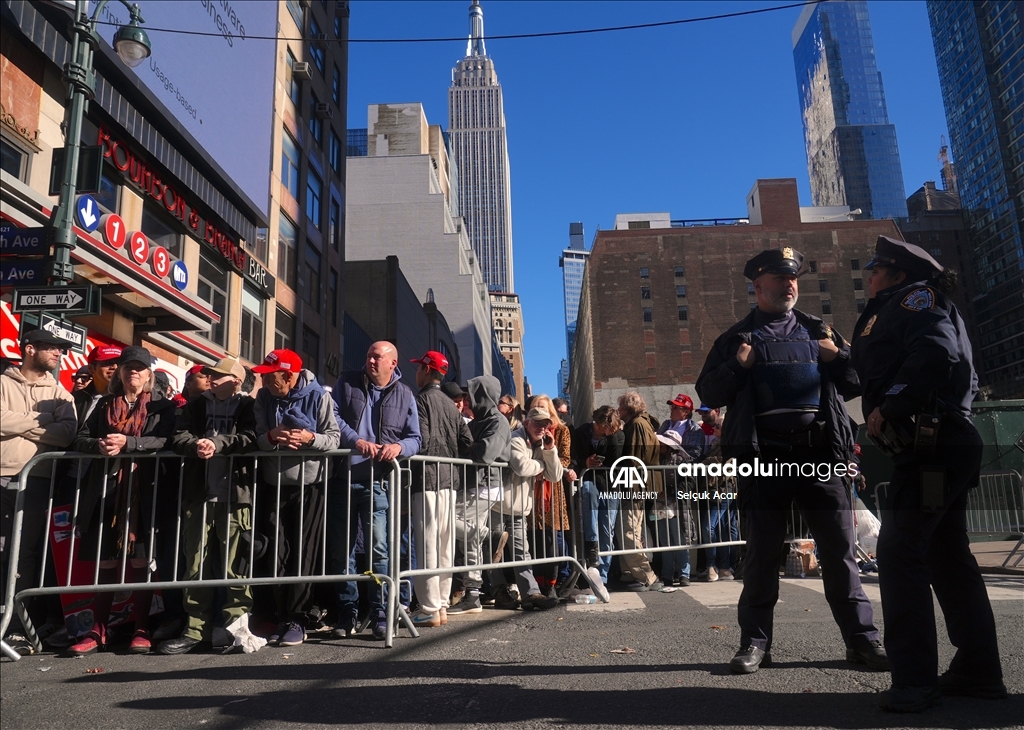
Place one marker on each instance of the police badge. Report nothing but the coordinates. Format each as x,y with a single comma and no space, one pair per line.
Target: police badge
869,325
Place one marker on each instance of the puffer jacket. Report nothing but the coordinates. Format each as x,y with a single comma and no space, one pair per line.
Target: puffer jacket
444,433
34,417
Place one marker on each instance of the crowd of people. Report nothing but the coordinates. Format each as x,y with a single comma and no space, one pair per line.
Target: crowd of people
495,482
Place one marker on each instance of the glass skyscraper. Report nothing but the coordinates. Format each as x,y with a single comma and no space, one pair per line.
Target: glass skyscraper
979,50
573,261
852,155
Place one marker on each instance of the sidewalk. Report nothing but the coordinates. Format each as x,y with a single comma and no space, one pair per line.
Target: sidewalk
991,555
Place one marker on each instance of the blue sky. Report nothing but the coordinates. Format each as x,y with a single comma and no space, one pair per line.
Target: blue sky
681,119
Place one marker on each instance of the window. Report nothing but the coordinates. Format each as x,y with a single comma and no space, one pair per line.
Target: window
854,264
335,224
314,191
298,13
106,198
750,287
286,251
826,306
645,273
258,246
12,160
645,292
639,225
293,83
682,313
680,272
253,314
858,285
812,266
315,49
311,292
334,148
290,164
648,314
860,306
284,331
213,289
337,26
936,251
316,125
680,292
310,350
822,285
159,232
336,85
332,286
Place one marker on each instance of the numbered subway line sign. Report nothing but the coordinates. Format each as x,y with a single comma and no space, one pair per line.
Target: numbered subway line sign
116,235
138,247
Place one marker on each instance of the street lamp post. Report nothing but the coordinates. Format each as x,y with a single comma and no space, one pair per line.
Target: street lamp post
132,45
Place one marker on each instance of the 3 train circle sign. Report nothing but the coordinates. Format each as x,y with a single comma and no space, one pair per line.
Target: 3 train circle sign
116,235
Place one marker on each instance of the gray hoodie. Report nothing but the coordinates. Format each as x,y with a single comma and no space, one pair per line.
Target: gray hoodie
492,437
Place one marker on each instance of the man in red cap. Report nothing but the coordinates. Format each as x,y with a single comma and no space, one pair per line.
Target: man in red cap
444,433
680,421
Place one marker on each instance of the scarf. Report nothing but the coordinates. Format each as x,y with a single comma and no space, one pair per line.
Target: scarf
130,421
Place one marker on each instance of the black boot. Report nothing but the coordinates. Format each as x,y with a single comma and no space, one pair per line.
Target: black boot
591,549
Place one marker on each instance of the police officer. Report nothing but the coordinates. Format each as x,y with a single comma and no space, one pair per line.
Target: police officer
911,351
782,374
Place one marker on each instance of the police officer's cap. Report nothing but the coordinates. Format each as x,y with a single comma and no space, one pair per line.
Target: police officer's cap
775,261
903,255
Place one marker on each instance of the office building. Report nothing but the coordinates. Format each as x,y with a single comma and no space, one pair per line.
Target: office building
852,155
573,262
979,49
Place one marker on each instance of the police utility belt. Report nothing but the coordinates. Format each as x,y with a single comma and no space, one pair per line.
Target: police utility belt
918,435
812,435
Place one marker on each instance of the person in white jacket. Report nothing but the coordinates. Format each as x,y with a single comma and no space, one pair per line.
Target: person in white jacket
533,456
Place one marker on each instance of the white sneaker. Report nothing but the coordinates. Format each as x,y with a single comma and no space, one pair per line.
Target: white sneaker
712,575
726,574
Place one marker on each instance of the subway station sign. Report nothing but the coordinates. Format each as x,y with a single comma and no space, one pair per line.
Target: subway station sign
185,210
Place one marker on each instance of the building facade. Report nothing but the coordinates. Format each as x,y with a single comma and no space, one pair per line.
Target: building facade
852,155
402,202
654,300
507,315
979,49
573,262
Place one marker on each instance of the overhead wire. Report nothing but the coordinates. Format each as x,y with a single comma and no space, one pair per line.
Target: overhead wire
511,36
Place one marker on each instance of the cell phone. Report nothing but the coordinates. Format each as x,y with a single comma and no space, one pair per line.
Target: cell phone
598,459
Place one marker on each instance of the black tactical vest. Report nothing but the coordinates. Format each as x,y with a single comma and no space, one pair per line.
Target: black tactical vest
785,372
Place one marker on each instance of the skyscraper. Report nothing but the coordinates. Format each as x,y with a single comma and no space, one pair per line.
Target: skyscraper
852,156
476,123
980,54
572,261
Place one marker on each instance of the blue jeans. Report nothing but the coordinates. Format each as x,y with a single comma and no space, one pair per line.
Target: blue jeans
368,508
599,517
673,562
720,523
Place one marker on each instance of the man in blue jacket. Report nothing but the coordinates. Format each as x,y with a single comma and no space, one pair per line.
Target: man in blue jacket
378,419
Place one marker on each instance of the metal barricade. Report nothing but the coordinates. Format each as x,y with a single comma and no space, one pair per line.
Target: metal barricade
996,505
100,504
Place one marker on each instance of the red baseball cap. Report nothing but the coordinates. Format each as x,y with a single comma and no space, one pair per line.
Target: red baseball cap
194,370
104,353
682,401
279,360
434,360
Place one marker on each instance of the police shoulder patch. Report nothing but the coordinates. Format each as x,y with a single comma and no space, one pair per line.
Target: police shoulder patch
919,300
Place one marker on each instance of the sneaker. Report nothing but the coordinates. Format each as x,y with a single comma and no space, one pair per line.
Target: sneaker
20,644
683,581
708,576
726,574
379,625
469,604
905,698
951,683
639,587
59,639
539,602
140,643
486,599
346,626
505,601
499,541
293,634
597,583
278,633
422,618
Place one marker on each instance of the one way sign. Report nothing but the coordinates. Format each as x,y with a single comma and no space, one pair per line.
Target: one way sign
53,299
72,334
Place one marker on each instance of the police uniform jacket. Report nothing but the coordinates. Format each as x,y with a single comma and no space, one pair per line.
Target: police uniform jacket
910,348
725,383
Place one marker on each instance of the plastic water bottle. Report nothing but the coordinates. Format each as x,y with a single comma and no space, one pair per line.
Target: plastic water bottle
585,599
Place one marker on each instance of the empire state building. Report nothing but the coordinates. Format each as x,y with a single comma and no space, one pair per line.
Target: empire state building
476,125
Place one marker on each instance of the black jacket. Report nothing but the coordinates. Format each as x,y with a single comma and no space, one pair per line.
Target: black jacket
725,383
610,447
910,348
191,426
443,432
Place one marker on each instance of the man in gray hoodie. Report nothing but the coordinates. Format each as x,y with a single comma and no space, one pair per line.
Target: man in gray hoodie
492,442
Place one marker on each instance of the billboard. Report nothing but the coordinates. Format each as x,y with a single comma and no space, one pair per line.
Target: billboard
219,87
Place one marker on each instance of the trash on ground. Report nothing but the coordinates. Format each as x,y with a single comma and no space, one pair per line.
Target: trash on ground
624,650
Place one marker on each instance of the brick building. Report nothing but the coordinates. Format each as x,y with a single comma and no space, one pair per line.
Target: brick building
654,300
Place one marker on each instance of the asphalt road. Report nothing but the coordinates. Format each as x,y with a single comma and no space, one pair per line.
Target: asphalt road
502,669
